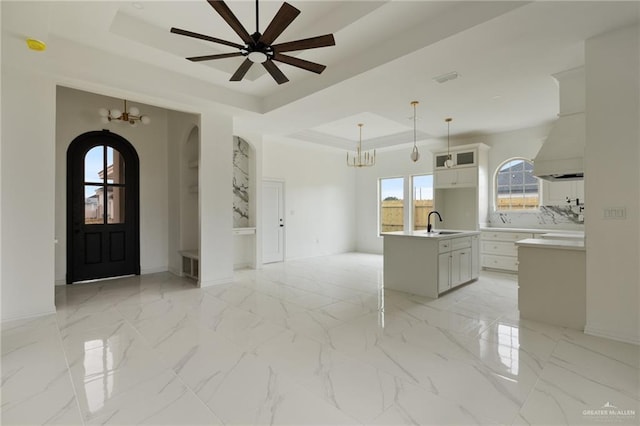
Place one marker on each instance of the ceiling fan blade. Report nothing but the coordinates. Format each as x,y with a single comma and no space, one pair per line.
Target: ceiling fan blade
206,37
210,57
300,63
241,71
275,72
285,16
226,14
307,43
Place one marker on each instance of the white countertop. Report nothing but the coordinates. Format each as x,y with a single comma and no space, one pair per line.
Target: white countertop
533,230
570,244
448,233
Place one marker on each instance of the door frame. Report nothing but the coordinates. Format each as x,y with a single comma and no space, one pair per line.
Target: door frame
280,182
79,146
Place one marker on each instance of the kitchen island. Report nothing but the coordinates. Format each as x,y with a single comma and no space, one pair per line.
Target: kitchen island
430,263
552,281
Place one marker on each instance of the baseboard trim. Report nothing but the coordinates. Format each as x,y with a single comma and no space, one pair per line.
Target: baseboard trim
155,270
593,331
29,316
220,281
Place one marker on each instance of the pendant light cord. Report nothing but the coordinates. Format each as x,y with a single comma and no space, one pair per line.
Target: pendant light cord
448,120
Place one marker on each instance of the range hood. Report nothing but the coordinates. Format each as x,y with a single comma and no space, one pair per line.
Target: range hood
561,157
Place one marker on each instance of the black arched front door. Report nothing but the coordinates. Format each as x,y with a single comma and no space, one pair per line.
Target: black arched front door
103,180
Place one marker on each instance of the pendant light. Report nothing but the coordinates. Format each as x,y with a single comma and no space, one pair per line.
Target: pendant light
449,162
361,159
415,155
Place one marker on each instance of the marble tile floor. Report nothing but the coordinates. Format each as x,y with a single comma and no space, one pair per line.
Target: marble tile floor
314,341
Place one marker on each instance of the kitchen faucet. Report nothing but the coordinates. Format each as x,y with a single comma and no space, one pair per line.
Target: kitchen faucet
429,220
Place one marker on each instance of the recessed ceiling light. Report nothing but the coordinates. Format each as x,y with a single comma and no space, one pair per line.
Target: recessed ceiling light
446,77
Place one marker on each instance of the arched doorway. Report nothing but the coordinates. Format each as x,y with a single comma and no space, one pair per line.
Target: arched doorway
103,221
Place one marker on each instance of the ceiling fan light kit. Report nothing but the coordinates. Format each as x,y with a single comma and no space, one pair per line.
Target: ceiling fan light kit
258,47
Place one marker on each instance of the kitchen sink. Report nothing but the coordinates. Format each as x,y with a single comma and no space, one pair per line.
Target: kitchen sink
444,232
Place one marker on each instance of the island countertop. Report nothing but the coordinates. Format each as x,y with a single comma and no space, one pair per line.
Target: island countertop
570,244
438,233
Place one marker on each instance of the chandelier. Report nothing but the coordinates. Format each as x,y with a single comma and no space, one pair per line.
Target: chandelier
361,159
132,115
415,155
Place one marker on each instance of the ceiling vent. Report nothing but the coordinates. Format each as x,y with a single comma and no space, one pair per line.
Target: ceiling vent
446,77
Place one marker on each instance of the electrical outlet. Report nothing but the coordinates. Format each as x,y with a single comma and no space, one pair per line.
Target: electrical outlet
580,218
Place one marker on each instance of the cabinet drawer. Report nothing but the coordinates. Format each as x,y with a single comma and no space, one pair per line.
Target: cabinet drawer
507,263
505,236
444,246
499,247
460,243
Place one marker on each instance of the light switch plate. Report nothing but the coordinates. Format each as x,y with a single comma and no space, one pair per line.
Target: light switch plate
619,213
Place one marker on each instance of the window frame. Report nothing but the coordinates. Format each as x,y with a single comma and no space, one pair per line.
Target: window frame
495,187
379,201
412,207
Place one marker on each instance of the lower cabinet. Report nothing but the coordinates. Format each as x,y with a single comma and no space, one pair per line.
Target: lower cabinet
444,272
455,265
499,250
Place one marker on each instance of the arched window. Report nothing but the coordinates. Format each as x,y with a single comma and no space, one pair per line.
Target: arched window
516,188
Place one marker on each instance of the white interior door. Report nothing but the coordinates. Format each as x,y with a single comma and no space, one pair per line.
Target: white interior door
272,221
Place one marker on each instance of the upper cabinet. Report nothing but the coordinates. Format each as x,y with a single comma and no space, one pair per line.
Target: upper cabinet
461,191
556,193
465,169
462,158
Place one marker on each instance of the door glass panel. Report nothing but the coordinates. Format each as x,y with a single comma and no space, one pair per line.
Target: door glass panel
115,166
93,204
93,164
115,205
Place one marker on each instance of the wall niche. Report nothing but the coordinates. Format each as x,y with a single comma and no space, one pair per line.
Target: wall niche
243,204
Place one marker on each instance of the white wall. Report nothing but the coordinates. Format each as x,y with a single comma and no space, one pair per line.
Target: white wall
612,179
76,113
28,162
28,165
180,127
320,214
389,163
215,182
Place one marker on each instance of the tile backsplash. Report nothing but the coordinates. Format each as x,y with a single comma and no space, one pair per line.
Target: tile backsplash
240,183
547,217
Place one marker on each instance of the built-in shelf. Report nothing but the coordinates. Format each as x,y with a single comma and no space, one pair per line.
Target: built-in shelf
244,231
194,164
190,263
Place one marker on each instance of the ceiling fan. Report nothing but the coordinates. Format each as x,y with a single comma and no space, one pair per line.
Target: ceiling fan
258,47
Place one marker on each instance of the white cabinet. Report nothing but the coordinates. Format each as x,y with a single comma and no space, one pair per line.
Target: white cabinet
499,250
451,178
428,266
461,191
556,193
454,263
475,256
444,269
461,156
